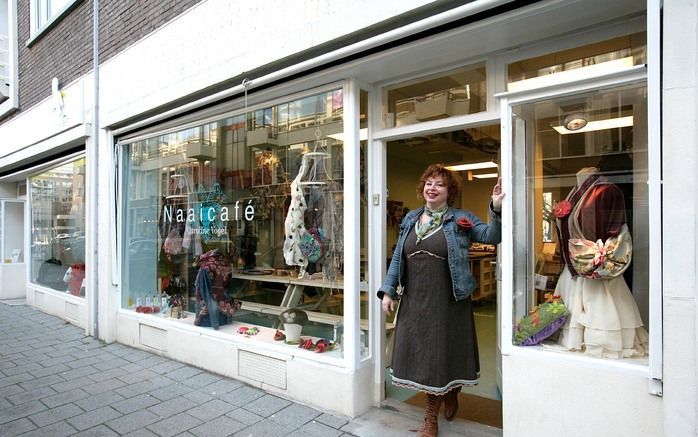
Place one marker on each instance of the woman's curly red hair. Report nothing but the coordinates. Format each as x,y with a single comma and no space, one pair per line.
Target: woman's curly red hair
451,180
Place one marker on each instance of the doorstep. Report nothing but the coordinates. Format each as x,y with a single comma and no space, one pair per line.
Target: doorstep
398,419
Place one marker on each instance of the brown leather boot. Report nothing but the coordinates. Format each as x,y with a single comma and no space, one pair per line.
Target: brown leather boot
431,418
451,403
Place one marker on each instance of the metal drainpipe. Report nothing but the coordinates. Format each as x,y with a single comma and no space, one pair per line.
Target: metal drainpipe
94,163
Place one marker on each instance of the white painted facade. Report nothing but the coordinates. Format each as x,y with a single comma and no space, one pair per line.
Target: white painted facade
543,393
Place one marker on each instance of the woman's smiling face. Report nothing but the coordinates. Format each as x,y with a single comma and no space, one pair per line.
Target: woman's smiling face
435,192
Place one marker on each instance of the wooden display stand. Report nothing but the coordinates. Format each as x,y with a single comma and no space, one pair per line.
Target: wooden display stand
483,267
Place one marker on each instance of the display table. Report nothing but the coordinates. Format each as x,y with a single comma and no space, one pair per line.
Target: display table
295,287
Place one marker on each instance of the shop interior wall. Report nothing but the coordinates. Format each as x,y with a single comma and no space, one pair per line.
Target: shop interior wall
8,190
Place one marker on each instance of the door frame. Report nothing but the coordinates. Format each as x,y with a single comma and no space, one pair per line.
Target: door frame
378,139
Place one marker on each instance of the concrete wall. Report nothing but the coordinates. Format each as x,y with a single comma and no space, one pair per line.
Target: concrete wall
219,40
553,396
680,166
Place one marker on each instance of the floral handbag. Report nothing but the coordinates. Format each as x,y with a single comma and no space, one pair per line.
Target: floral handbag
602,259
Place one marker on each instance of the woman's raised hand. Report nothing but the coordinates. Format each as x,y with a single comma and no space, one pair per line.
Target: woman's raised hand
497,196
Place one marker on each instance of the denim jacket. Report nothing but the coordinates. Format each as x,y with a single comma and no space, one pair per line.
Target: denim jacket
458,240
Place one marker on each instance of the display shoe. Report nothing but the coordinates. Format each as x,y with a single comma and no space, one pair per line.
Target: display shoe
431,418
451,403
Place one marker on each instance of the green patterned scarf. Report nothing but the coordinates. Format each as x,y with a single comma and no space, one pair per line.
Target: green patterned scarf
433,223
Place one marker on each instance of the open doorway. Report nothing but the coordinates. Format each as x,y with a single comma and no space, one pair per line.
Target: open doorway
406,160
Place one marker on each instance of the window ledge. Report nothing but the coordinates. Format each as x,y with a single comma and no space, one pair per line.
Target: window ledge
633,366
264,341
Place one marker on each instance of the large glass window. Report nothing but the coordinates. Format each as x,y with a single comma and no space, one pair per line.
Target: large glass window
459,92
253,201
58,228
583,271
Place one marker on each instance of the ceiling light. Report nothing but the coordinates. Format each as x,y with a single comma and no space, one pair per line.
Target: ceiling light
486,175
575,121
363,135
473,166
610,123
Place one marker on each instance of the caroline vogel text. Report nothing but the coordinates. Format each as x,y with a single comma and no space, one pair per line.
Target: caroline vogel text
180,215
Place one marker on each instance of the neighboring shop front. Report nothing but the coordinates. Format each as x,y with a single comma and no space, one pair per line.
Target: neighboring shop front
271,210
44,181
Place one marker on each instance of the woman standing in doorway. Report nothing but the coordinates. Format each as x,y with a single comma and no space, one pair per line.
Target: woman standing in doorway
435,343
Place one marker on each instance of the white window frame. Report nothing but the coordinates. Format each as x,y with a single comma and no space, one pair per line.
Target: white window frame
39,26
11,90
28,236
633,75
351,88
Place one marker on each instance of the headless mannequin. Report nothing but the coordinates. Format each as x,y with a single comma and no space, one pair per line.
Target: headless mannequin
604,319
584,173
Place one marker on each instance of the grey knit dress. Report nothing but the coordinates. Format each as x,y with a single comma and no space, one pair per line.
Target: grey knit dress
435,342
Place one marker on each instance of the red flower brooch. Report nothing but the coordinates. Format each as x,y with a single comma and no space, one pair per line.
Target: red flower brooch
562,209
464,223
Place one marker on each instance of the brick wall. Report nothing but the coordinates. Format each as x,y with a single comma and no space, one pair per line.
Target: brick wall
65,51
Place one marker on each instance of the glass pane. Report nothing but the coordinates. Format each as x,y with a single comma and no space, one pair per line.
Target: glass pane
58,228
584,219
254,203
363,182
621,52
14,240
443,95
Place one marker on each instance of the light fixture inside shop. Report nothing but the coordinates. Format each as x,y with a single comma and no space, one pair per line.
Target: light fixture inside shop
363,135
575,121
486,175
610,123
472,166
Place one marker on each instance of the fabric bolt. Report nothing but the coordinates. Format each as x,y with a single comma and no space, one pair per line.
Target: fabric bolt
435,340
604,319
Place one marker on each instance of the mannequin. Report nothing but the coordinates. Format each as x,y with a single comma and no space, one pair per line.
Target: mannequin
604,320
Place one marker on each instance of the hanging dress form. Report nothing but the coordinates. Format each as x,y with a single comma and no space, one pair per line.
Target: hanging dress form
604,320
300,247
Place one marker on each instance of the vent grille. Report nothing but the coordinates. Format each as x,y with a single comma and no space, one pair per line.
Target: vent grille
260,368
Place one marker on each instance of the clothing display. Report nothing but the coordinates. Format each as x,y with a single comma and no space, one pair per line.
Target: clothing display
604,319
214,304
446,345
300,245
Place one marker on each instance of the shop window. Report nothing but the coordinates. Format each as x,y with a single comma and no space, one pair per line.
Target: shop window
607,56
58,228
254,201
459,92
583,286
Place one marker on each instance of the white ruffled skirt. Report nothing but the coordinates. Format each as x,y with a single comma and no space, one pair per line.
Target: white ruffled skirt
604,320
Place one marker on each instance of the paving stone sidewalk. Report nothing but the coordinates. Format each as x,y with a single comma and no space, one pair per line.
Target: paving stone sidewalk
55,382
